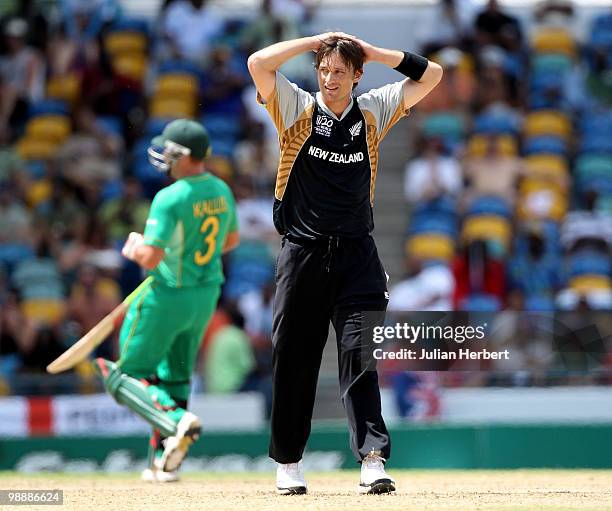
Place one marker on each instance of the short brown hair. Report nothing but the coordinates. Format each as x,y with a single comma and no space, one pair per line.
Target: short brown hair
349,51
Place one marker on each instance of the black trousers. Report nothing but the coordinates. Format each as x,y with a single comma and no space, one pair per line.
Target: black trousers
333,279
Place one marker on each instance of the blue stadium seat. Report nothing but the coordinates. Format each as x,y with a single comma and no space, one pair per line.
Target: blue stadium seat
589,263
495,124
131,25
49,106
179,66
154,127
433,224
490,205
596,144
110,124
545,144
480,303
447,125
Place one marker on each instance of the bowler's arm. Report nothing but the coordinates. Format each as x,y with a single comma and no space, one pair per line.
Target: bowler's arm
264,63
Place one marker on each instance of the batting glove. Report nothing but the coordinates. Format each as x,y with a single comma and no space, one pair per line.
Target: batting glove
135,240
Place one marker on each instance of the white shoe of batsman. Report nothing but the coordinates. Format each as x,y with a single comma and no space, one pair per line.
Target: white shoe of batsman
175,447
290,479
152,475
374,479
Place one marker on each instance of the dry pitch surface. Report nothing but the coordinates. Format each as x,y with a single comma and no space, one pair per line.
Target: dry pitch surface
527,490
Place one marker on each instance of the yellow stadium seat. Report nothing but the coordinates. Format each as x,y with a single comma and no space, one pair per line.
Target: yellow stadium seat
539,200
38,192
431,246
35,149
556,176
220,167
535,184
65,88
478,144
5,389
172,107
548,122
50,127
125,42
45,311
176,84
487,227
130,66
586,283
554,40
544,162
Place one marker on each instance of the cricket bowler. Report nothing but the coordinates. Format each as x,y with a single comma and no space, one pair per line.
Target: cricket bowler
328,267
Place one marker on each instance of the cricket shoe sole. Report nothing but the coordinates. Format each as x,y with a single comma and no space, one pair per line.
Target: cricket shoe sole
378,487
294,490
176,447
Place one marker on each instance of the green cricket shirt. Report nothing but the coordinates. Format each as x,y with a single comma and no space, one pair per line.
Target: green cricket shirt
190,220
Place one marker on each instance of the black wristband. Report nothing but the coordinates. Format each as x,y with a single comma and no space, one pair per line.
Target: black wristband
412,65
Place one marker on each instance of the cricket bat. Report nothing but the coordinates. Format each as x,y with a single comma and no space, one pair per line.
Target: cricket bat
92,339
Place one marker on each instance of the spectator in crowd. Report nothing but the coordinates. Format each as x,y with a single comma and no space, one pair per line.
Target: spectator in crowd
90,245
449,25
257,158
39,284
91,298
599,78
265,29
456,91
427,286
432,175
16,224
26,344
30,11
229,360
254,213
63,213
492,173
22,76
83,21
16,228
587,229
498,90
493,26
17,334
222,85
532,272
126,213
190,29
476,273
89,158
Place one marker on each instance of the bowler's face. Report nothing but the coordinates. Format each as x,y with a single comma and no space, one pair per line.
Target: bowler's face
336,79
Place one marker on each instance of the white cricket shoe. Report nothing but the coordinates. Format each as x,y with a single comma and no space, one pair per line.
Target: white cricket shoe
374,479
152,475
175,447
290,479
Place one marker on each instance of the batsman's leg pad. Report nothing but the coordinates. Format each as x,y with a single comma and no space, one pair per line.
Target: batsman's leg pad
135,395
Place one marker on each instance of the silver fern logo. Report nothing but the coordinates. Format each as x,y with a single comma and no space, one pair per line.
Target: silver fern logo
355,129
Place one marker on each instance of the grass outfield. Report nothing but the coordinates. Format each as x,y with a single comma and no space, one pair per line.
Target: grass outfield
427,490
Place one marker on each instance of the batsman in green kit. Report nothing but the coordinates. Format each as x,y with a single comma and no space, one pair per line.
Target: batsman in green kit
190,225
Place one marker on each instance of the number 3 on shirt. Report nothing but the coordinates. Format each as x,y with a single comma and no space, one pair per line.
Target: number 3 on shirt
211,227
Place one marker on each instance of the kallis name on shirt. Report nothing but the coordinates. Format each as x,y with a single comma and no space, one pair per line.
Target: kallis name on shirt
334,157
209,207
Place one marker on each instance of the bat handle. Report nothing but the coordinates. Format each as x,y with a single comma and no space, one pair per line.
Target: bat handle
143,285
